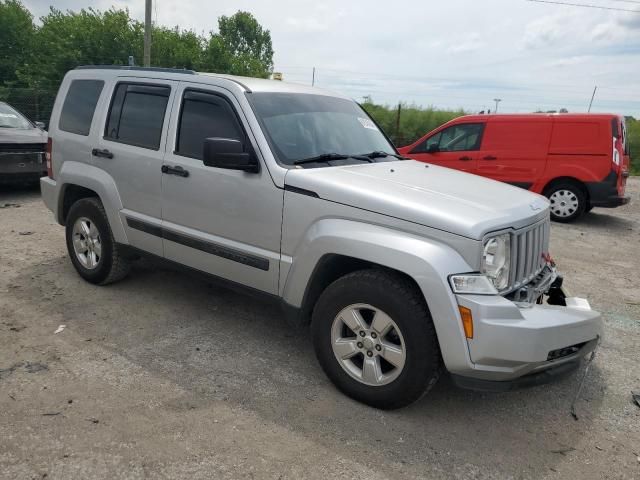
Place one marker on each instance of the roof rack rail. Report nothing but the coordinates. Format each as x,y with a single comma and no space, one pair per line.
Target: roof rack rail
144,69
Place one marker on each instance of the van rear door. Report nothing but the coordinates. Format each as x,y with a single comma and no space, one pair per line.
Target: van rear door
514,150
621,146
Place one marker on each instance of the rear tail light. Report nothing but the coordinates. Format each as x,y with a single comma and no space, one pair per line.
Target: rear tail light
48,158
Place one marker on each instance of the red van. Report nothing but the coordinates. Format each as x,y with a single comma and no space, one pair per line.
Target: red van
578,161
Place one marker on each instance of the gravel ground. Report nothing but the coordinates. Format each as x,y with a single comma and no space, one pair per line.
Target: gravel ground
164,375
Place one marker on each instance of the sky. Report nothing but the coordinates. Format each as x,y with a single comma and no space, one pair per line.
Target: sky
447,54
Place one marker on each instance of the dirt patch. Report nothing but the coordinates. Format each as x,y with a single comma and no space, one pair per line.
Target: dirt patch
164,375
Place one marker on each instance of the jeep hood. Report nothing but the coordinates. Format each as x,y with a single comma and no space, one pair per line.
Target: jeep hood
426,194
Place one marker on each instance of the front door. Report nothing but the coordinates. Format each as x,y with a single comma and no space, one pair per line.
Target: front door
454,147
224,222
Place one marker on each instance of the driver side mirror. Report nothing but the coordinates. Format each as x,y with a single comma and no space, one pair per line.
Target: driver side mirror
433,148
228,153
40,125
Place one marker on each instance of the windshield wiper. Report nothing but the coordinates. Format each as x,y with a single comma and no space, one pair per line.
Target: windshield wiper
327,157
381,154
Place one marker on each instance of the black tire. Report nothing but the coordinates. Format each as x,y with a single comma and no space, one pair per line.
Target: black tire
588,209
575,191
112,264
401,300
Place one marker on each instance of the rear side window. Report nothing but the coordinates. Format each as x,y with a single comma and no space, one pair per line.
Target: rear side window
204,115
80,105
137,114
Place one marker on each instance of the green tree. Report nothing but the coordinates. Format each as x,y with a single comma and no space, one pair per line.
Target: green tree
415,121
633,137
175,48
241,47
16,38
66,40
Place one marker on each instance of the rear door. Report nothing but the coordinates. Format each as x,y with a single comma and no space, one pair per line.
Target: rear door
455,147
621,150
131,149
515,150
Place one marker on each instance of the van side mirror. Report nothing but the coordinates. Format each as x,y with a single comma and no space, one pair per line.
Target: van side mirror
40,125
228,153
433,148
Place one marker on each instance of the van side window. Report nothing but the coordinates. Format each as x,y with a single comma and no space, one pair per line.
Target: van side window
204,115
79,106
457,138
137,114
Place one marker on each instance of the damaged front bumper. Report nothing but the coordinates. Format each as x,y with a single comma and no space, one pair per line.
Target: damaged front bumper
521,341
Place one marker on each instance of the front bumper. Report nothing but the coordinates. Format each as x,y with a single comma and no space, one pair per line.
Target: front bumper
511,341
21,166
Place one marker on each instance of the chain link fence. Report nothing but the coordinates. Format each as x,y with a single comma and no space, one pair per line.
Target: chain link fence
35,104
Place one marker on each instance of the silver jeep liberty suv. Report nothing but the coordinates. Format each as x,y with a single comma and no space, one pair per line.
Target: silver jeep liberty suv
403,269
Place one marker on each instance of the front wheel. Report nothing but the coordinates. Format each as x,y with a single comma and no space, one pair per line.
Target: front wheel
374,338
568,201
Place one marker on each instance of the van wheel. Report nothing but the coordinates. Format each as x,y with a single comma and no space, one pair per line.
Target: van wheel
374,338
92,249
568,201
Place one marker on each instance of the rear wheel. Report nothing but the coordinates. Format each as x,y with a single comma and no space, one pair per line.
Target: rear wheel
568,201
92,249
374,338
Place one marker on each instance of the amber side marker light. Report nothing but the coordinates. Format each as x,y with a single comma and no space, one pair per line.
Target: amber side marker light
467,321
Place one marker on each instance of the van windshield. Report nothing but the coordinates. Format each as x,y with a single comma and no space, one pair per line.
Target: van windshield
303,127
11,118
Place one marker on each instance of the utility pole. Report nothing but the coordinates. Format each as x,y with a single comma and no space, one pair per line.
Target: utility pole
147,33
397,139
592,97
497,100
313,77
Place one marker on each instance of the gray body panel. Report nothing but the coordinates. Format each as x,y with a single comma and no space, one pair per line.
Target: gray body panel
225,208
425,221
429,195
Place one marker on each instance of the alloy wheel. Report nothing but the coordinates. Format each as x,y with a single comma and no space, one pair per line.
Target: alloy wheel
368,344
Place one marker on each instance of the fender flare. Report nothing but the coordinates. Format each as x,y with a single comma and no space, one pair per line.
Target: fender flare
96,179
428,262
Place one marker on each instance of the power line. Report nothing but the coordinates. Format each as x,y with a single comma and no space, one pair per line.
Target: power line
586,5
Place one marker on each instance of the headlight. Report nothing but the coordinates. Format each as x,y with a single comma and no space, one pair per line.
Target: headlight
496,259
472,283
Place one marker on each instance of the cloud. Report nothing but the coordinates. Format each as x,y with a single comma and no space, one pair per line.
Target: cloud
472,43
568,61
545,31
306,24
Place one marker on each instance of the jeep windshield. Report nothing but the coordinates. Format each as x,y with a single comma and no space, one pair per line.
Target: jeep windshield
319,130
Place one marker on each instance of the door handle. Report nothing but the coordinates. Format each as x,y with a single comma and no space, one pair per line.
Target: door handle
177,170
489,157
101,153
465,158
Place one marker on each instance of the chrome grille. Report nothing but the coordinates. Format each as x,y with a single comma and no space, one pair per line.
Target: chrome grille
527,248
